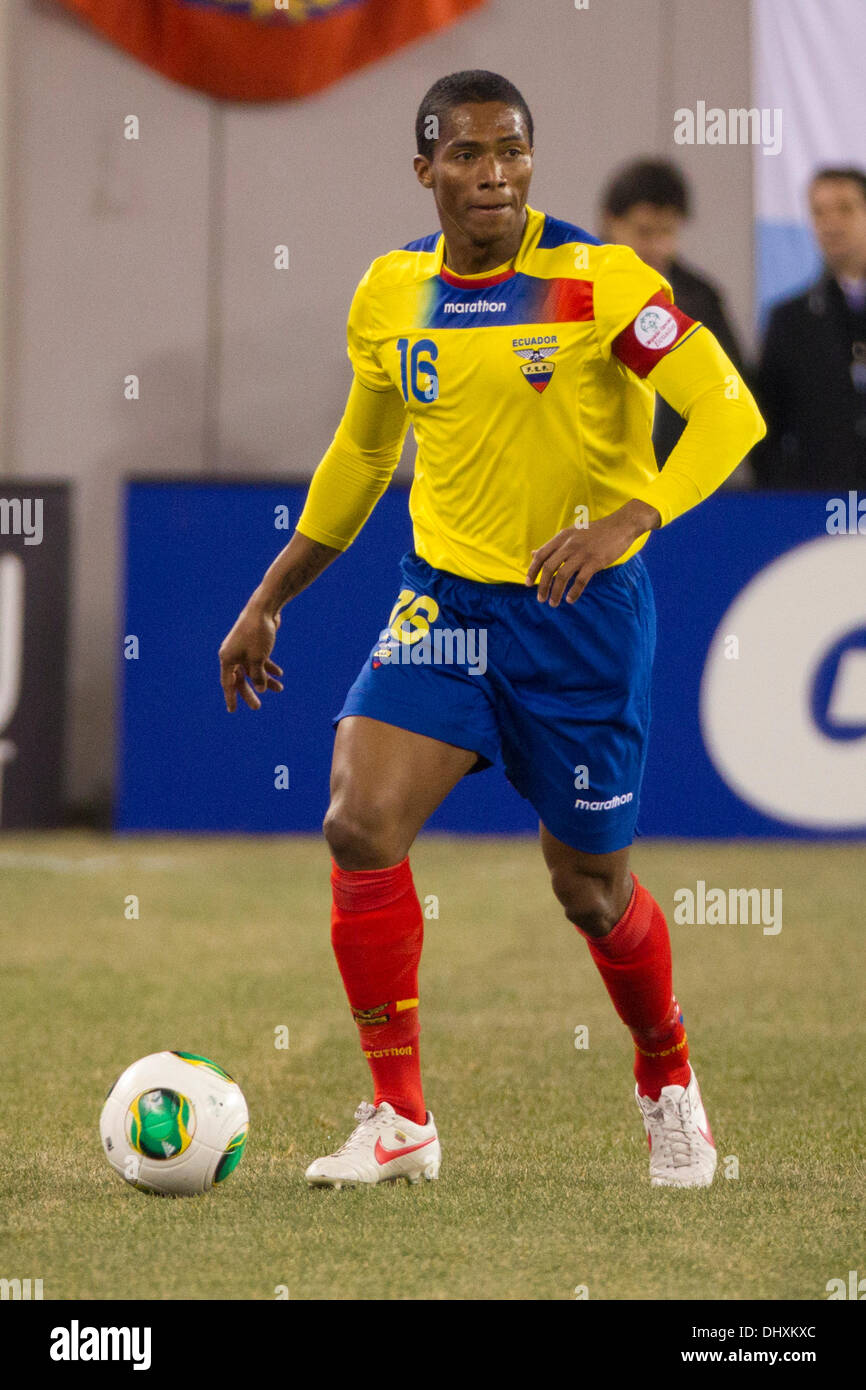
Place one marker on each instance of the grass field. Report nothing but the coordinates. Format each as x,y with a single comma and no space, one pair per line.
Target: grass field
544,1182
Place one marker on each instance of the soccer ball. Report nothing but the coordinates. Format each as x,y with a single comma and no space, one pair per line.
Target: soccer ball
174,1123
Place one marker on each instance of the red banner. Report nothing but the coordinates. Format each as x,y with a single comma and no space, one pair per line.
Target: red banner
264,50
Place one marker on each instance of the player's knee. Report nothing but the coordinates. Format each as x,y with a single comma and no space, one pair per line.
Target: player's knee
589,903
362,836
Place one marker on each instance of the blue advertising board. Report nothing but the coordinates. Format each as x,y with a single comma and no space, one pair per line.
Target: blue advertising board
759,696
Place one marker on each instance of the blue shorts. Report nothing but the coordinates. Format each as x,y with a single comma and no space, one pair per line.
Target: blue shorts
562,695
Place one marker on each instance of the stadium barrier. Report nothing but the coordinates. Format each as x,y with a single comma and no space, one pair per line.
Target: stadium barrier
759,696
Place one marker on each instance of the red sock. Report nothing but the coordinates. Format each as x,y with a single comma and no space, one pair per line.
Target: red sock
634,960
377,930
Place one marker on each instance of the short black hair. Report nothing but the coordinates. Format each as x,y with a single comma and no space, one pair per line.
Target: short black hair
654,181
475,84
851,172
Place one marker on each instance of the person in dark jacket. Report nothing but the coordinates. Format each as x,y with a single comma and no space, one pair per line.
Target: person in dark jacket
645,206
811,382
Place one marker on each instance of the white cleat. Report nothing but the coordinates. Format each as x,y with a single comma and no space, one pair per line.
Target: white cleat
382,1147
682,1152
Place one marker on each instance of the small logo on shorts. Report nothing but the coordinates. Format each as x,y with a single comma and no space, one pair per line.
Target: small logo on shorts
383,654
386,649
604,805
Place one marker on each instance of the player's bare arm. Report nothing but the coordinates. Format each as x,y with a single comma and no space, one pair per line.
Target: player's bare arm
350,479
245,654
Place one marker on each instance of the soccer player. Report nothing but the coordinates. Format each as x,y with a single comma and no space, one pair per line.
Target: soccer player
525,354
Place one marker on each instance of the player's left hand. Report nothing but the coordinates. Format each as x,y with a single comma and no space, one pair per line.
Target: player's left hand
574,555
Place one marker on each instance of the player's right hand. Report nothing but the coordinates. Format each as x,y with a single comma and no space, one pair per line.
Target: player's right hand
245,657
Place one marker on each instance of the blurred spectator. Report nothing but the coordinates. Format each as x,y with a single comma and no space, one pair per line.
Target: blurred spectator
645,206
812,377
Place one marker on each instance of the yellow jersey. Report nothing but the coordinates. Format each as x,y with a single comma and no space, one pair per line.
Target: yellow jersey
526,389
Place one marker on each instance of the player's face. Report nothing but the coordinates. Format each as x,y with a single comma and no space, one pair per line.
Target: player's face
480,172
838,209
652,232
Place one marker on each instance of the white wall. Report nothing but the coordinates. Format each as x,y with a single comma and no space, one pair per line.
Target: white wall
156,256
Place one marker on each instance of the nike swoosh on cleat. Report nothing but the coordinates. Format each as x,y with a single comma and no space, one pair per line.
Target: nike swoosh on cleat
384,1155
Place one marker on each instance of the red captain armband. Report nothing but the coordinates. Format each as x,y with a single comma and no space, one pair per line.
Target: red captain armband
652,334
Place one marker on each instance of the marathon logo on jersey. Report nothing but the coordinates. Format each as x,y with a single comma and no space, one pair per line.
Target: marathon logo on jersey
652,334
474,306
536,369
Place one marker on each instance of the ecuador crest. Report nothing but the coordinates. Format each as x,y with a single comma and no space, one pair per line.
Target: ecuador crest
536,368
